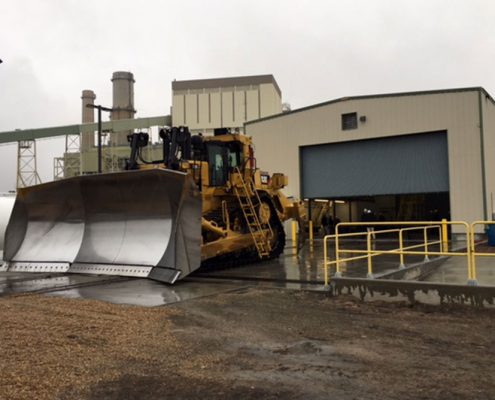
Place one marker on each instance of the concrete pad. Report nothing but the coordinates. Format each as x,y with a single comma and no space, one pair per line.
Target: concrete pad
32,283
148,293
6,277
454,270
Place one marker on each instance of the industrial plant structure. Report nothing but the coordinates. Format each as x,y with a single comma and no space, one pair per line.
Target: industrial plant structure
202,105
206,104
81,156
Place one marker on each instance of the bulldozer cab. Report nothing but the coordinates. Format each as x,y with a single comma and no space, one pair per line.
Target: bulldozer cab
223,153
222,158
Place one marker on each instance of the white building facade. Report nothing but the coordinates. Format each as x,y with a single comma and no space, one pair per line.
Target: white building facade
206,104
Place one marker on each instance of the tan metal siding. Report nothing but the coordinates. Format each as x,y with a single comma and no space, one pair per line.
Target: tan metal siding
252,108
191,111
239,107
271,102
178,109
204,110
216,111
489,145
227,108
223,106
277,140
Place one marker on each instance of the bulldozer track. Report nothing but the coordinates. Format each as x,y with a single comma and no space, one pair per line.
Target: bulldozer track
247,257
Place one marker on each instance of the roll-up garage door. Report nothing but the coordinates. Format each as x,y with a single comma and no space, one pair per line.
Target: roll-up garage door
396,165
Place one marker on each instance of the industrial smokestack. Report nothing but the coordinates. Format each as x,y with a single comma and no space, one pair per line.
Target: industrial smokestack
123,103
88,116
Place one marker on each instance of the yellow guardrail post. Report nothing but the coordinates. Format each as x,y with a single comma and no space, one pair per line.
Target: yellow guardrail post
325,260
469,251
370,263
401,249
472,279
311,234
425,235
294,238
440,238
338,274
294,233
445,236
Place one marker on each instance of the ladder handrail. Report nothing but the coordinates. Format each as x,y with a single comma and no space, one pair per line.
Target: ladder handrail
255,227
259,202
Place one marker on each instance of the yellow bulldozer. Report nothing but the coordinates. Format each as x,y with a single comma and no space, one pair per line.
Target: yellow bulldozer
205,203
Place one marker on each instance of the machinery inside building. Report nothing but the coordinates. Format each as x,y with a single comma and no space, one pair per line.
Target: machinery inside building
400,207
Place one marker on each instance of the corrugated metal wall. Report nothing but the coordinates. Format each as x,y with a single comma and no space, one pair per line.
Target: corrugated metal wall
489,153
209,108
278,139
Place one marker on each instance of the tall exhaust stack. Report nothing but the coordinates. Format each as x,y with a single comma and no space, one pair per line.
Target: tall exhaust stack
88,116
123,103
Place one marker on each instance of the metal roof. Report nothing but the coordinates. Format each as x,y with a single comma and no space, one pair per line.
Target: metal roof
226,82
115,126
376,96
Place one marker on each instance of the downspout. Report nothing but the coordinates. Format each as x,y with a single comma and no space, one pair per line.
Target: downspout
482,144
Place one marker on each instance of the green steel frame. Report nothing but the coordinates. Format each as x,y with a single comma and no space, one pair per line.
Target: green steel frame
116,126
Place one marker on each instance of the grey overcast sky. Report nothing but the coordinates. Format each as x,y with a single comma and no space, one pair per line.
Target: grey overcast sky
317,50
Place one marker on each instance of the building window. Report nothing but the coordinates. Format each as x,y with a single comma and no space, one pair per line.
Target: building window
349,121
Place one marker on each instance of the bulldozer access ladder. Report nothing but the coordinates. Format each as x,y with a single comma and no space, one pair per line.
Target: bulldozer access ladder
260,231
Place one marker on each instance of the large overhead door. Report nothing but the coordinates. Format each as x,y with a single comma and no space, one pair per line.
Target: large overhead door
396,165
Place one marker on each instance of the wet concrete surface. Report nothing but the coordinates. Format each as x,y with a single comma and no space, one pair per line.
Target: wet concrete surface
16,283
118,290
455,271
307,265
147,293
298,271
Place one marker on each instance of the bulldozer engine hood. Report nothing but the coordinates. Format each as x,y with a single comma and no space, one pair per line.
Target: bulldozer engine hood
135,223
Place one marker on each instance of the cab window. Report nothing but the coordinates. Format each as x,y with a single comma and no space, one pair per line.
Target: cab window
217,155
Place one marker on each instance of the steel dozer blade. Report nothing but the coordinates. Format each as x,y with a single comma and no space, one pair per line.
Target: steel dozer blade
136,223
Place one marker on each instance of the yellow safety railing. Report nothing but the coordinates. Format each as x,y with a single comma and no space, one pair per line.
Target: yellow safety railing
474,253
405,226
425,238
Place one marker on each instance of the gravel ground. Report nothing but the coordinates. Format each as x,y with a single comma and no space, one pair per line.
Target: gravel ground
255,344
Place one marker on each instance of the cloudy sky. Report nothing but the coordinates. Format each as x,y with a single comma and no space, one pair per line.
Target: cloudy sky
317,51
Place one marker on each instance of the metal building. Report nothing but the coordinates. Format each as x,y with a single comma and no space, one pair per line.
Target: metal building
206,104
418,155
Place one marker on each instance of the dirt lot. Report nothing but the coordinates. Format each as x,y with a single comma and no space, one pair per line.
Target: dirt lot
256,344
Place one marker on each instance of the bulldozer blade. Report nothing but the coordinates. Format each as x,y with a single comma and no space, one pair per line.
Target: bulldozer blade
136,223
